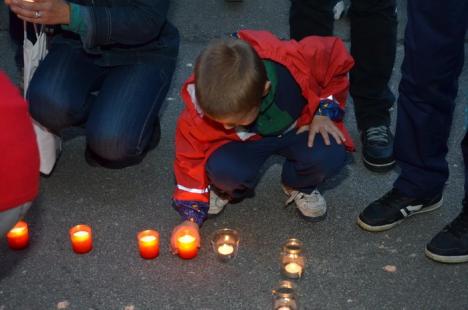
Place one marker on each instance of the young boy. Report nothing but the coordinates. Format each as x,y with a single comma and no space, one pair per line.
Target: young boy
253,97
19,158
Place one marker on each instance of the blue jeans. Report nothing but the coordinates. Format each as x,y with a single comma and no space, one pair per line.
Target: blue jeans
120,120
434,55
234,168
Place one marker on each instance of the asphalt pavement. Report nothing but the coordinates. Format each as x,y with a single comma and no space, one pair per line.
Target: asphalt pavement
347,268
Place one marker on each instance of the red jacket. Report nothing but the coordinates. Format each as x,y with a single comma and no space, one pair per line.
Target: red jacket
320,65
19,157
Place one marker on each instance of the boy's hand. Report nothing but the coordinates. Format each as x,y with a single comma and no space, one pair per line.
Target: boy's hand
323,125
182,229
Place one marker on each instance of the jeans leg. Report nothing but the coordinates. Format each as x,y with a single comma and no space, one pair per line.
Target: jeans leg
373,46
234,168
464,147
311,17
59,92
125,113
305,168
434,52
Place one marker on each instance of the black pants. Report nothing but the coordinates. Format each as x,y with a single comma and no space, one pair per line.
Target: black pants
433,62
373,44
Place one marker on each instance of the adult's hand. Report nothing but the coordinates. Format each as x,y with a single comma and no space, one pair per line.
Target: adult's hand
47,12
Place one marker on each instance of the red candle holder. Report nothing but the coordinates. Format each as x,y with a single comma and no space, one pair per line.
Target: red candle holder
18,236
148,244
81,238
187,246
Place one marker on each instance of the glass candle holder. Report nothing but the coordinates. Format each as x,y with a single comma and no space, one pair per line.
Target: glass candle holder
225,243
81,238
284,297
18,236
292,259
148,243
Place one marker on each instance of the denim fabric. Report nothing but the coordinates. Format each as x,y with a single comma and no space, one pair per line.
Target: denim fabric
373,46
122,32
235,167
434,55
120,119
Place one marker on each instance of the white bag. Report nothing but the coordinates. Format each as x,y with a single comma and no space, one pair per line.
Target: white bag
49,144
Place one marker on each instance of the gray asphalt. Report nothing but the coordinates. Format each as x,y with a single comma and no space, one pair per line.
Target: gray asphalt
345,267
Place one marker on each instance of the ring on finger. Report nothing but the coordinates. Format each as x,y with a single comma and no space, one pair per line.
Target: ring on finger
37,14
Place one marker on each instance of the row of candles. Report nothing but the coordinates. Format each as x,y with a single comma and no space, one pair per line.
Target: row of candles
225,241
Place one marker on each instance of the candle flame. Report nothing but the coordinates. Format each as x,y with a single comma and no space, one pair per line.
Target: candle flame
81,235
225,249
293,268
187,239
148,239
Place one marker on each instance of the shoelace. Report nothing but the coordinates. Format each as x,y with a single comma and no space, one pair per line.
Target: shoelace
312,197
459,225
377,134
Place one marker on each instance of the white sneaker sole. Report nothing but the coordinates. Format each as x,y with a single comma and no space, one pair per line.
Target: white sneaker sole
391,225
446,259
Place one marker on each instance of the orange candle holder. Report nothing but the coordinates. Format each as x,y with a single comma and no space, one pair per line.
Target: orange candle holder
18,236
81,238
148,243
187,245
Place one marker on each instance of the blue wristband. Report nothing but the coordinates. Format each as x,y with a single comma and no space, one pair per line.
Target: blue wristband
330,108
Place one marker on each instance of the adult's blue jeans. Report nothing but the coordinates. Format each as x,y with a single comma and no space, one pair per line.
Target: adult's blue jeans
118,106
235,167
434,54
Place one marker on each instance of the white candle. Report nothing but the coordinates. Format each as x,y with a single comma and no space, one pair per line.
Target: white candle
293,268
225,249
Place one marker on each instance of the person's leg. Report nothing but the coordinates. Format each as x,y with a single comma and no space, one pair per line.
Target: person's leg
123,122
305,168
433,61
59,92
451,244
373,46
234,168
311,17
10,217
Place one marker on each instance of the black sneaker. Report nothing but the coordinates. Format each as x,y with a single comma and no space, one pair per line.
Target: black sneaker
451,244
392,208
377,148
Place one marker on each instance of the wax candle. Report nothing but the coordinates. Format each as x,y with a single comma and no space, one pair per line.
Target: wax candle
18,236
292,259
81,238
225,249
148,244
187,246
293,268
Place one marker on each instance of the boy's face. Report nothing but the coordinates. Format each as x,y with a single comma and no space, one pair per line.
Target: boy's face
232,121
245,119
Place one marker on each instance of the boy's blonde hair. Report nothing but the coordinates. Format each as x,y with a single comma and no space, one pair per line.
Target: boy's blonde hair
229,78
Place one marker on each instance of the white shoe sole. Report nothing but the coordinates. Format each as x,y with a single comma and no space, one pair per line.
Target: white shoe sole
391,225
446,259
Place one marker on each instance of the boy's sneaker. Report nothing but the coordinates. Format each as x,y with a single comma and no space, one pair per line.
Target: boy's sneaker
312,206
451,244
392,208
217,203
377,148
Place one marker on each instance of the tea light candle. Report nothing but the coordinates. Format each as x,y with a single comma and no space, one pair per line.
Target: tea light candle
18,236
293,268
225,243
225,249
148,244
81,239
187,246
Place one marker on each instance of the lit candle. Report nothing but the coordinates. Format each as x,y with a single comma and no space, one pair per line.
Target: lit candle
293,268
225,249
81,239
18,236
148,243
187,246
225,243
